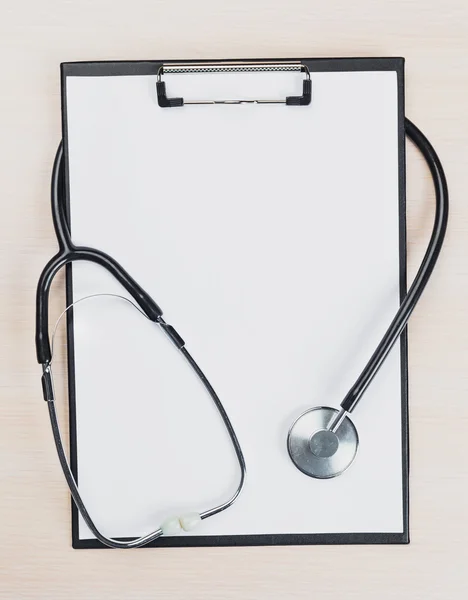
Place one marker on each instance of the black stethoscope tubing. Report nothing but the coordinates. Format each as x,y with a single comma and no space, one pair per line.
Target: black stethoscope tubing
69,253
424,272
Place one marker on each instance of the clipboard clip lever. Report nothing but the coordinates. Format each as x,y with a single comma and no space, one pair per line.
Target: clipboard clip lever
233,67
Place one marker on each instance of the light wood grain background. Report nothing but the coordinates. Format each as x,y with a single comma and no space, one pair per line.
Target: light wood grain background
36,559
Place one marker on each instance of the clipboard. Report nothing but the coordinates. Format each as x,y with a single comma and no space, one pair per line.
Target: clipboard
198,293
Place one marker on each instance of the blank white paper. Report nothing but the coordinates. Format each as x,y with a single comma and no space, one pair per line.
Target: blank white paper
269,236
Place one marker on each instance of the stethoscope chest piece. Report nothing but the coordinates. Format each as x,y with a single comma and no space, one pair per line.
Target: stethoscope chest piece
315,449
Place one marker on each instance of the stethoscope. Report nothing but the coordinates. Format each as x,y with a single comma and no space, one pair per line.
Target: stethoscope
322,442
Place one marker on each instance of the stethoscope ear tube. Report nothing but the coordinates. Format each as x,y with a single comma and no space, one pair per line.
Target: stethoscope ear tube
69,253
422,277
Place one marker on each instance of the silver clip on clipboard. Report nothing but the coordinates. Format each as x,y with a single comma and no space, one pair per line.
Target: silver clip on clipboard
233,67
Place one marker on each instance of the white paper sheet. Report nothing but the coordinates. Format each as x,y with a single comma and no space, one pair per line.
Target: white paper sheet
269,235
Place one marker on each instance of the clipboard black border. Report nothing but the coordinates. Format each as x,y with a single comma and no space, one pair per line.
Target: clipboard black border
150,67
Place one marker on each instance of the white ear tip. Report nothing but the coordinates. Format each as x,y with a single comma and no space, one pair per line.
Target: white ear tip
190,521
171,526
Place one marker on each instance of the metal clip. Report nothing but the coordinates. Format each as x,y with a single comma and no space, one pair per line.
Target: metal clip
233,67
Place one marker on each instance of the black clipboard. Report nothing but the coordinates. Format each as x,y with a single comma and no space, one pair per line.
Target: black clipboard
99,69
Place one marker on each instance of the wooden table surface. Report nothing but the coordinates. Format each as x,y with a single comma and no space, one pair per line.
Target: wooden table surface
36,558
